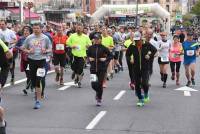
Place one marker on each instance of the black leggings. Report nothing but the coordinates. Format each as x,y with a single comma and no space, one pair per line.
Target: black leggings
3,74
98,86
141,81
131,71
175,64
78,65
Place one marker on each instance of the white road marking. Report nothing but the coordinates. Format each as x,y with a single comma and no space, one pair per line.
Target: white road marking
119,95
94,122
67,85
187,90
24,80
187,93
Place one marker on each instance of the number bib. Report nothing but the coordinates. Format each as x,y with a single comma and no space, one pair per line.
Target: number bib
93,78
190,52
165,59
60,47
41,72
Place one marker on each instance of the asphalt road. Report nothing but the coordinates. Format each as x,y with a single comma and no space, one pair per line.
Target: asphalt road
71,110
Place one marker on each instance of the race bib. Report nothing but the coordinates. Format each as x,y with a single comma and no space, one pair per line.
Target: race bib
60,47
93,78
190,52
28,68
175,55
165,59
40,72
78,48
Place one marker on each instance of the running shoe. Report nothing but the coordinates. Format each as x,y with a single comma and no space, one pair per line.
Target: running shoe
57,77
12,81
25,92
140,103
146,99
79,84
61,82
37,105
188,83
164,85
132,86
98,103
193,82
173,77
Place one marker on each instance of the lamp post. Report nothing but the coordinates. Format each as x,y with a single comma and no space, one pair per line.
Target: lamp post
136,17
30,5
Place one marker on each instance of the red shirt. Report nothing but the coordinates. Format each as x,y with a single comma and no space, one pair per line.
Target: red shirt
59,44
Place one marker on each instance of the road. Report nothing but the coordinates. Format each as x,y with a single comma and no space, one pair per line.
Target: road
71,110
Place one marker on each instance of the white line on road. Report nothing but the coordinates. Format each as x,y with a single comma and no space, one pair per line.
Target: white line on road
94,122
24,80
187,93
67,85
119,95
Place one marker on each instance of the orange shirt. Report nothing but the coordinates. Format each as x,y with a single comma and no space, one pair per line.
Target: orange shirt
59,44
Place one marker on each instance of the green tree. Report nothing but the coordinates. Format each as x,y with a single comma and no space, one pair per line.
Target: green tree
196,8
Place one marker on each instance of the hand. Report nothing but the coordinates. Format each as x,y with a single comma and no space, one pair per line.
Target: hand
91,59
132,61
102,59
147,57
31,51
44,51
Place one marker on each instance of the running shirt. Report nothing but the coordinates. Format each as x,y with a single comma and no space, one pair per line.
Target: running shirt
8,35
189,52
127,43
3,45
164,50
107,41
81,41
175,51
117,40
59,44
37,43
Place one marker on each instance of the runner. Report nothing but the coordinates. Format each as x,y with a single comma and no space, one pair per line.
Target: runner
99,56
140,56
79,43
59,54
107,41
5,55
9,39
191,51
24,65
37,45
163,58
175,58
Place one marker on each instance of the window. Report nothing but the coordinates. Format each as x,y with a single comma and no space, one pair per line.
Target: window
157,1
167,7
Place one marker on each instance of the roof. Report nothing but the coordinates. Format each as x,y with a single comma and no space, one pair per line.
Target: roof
26,13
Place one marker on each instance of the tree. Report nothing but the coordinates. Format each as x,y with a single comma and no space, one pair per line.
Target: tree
196,8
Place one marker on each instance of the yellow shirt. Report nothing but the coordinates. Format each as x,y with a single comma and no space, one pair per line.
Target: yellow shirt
81,42
107,41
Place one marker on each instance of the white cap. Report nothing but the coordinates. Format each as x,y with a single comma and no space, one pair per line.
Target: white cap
137,36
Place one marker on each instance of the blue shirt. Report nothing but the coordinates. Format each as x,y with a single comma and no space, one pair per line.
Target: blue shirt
189,52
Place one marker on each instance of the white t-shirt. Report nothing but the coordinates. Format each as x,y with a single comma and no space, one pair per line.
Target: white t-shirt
8,35
164,48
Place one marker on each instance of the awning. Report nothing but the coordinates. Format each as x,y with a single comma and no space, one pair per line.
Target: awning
26,13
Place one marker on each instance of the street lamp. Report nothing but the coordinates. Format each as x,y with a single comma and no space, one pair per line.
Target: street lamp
30,5
136,19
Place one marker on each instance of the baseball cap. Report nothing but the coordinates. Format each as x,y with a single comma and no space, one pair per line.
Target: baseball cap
137,36
97,36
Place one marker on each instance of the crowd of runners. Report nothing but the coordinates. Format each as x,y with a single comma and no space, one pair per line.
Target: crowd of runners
100,47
